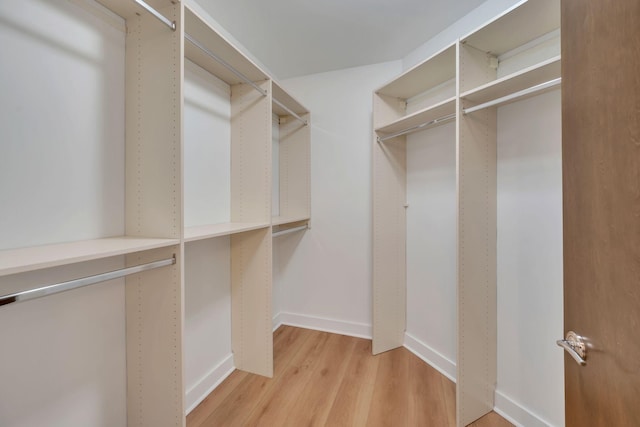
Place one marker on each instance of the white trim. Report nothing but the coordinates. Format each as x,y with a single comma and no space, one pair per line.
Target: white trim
432,357
277,322
209,382
353,329
515,413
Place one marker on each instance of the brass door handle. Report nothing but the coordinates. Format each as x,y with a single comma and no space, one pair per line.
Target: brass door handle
574,345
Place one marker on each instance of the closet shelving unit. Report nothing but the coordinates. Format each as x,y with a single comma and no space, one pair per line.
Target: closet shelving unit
294,161
419,99
162,232
514,56
160,34
493,66
249,229
423,94
249,108
152,217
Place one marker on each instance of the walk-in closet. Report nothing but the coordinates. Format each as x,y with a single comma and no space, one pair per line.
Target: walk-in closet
245,213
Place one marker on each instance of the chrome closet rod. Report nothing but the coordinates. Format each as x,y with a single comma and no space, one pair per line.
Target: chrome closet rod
158,15
225,64
521,93
289,230
290,111
84,281
418,127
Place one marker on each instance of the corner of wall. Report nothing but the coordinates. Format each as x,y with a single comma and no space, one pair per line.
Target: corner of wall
430,356
196,394
516,413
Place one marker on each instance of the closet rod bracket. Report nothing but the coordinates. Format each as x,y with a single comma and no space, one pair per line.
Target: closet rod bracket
160,17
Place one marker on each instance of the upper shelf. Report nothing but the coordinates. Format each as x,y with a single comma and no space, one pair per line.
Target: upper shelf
524,79
21,260
426,115
210,39
430,73
524,22
287,100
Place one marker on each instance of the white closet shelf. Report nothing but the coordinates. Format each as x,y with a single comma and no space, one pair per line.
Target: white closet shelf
525,21
531,76
287,100
210,39
284,220
201,232
430,73
21,260
426,115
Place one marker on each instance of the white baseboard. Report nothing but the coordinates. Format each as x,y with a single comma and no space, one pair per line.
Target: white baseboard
277,321
359,330
439,362
510,410
209,382
515,413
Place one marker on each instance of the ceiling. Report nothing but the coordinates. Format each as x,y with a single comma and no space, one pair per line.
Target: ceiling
300,37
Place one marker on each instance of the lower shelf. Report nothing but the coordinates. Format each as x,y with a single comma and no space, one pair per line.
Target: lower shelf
201,232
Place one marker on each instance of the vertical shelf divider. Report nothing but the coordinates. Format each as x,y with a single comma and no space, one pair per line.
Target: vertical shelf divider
389,231
251,252
154,300
477,227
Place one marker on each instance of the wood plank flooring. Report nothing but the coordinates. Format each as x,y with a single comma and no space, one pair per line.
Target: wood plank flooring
323,379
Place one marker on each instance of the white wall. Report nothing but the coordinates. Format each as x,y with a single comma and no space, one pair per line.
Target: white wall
207,330
62,162
325,272
530,296
63,356
207,189
62,178
432,245
207,147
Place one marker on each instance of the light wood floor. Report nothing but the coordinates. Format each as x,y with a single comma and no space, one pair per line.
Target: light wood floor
324,379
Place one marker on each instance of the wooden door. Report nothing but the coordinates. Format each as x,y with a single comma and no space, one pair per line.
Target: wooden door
601,184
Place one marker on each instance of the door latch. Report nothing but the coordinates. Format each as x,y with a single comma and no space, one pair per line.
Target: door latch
574,345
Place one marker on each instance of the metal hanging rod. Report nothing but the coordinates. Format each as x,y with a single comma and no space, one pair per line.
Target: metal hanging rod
158,15
225,64
418,127
78,283
290,230
519,94
306,123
